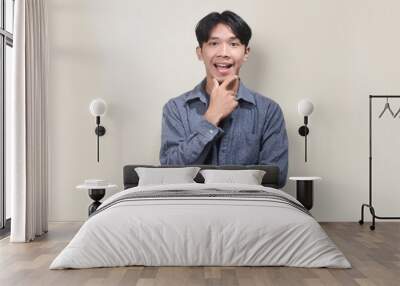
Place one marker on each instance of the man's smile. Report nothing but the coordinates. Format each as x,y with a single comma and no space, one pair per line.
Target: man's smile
223,68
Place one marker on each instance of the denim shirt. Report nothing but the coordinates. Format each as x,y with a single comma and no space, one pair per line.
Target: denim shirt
253,134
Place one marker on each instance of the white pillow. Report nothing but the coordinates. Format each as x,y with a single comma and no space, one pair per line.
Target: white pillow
163,176
249,177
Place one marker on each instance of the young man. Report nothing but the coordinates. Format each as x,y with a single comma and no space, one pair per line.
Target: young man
220,121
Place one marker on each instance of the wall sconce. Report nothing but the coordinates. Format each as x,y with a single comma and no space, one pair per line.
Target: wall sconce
98,107
305,108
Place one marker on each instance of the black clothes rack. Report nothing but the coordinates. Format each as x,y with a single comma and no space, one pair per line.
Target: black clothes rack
369,205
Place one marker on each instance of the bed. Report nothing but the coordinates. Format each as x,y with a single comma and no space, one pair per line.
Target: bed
201,224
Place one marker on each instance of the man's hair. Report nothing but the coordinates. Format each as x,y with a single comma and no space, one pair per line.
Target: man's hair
238,26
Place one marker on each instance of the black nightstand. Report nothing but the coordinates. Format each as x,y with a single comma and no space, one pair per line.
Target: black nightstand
304,190
96,193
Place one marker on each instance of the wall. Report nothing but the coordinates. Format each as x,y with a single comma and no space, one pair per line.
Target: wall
136,55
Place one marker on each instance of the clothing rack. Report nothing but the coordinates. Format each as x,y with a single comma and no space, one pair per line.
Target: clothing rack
369,205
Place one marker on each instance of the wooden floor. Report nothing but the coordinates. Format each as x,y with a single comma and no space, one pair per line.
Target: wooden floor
375,256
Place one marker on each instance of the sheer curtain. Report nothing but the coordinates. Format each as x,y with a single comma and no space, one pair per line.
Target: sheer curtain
28,123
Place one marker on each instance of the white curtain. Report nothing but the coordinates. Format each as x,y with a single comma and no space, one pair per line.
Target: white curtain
28,123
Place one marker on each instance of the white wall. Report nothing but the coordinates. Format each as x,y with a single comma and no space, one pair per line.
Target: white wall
136,55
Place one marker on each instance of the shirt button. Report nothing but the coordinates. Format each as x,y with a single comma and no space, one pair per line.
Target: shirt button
211,131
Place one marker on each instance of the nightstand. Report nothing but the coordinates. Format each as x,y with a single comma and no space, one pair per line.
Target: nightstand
304,190
96,190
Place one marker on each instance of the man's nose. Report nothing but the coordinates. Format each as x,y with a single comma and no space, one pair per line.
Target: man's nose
224,50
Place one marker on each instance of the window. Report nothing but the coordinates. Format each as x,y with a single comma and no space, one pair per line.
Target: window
6,60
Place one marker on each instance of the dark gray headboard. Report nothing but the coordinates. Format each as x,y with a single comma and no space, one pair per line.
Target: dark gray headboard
270,179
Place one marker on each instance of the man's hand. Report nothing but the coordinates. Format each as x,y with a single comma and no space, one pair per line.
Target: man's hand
223,100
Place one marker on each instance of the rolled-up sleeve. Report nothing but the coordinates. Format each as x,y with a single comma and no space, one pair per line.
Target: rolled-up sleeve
179,149
274,148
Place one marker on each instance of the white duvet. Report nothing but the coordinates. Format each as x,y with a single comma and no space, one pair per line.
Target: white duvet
200,231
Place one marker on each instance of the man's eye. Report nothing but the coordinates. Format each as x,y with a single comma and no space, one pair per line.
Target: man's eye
213,43
235,44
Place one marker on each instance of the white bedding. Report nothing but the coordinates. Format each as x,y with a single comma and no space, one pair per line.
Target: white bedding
200,231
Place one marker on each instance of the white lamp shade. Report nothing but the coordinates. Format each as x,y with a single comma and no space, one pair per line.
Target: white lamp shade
305,107
98,107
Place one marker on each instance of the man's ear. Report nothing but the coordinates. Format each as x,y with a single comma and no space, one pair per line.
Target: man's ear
199,55
246,53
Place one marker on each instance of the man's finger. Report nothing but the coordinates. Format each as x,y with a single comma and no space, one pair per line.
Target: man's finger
233,85
229,83
233,94
216,84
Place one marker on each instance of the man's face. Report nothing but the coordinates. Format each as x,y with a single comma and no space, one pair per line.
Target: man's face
223,54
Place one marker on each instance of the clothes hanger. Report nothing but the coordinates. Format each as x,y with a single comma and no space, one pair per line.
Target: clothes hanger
387,107
397,113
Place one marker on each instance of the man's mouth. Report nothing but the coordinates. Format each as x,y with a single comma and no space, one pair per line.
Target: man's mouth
223,68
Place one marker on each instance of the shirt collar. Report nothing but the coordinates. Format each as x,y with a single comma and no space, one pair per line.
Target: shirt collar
199,92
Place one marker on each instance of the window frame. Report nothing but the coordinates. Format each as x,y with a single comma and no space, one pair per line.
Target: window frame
6,39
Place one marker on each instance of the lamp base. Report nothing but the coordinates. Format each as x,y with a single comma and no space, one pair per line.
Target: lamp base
100,130
303,130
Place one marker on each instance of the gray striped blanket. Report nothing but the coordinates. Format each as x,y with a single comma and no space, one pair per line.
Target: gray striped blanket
205,194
